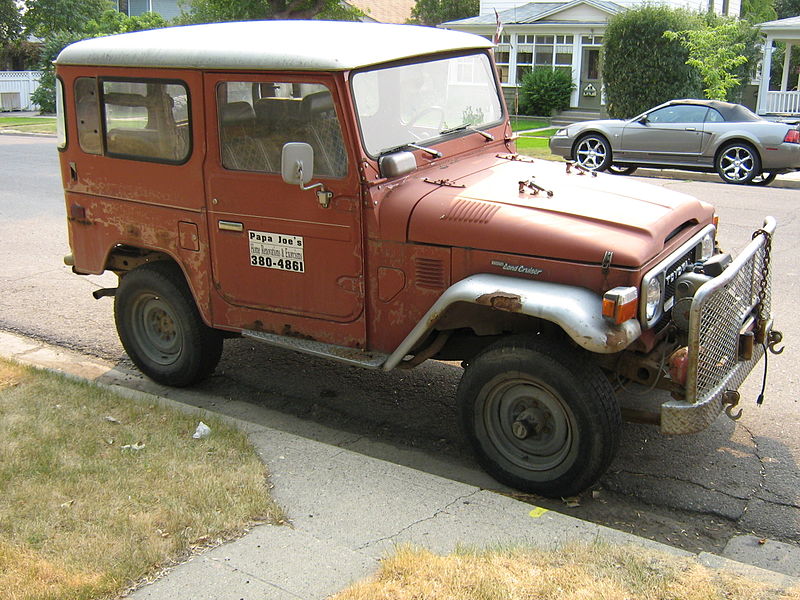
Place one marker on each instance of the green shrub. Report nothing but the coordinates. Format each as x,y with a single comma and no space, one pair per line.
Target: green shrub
545,90
641,67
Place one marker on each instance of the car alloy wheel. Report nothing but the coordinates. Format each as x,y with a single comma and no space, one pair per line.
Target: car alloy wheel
593,152
738,163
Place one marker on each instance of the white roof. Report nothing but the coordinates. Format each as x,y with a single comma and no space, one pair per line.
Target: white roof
274,45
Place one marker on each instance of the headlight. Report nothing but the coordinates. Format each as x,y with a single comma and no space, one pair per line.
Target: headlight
562,132
652,298
707,246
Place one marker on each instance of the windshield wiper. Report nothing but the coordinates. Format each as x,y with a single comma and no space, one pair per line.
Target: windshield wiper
431,151
466,126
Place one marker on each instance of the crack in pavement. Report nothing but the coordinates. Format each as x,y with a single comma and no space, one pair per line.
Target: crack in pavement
762,470
417,522
700,485
235,569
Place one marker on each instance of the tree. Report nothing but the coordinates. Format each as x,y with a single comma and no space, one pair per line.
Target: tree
787,8
641,67
10,22
758,11
717,50
213,11
45,17
545,90
433,12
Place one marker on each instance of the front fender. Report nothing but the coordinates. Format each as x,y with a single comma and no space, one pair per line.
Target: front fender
577,311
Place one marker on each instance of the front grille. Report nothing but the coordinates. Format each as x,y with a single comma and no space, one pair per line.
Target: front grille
719,311
683,264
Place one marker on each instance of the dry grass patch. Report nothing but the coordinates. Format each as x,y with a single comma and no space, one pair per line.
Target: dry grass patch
575,572
84,516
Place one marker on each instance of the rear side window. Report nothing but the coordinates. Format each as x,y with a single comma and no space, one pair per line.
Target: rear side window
147,120
140,120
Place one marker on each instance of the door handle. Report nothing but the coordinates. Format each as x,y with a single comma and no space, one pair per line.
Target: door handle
691,129
230,226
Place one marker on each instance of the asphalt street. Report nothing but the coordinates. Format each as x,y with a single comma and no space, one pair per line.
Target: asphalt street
695,491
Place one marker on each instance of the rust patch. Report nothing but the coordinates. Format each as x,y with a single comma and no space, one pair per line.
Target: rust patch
616,339
501,301
289,332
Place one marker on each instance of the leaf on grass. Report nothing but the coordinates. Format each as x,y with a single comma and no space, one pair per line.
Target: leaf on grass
111,419
67,504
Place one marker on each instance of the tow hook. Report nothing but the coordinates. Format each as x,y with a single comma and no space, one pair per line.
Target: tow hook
775,338
731,400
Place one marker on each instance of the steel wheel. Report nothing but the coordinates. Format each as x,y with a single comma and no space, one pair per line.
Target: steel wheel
156,330
593,152
738,163
531,425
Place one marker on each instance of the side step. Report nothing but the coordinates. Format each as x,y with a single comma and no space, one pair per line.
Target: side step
349,356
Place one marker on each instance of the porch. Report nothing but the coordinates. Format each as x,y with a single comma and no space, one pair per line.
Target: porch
786,101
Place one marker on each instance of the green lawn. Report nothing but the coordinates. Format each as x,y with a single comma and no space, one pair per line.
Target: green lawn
537,146
523,123
28,124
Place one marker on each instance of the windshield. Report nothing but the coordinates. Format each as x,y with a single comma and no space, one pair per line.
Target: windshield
418,102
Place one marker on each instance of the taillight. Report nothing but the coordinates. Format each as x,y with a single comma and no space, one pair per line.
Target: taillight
792,136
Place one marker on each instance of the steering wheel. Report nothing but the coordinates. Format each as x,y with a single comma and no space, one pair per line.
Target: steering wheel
412,122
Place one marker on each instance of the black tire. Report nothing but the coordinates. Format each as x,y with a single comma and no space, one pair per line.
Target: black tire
737,163
160,327
539,416
765,178
621,169
593,152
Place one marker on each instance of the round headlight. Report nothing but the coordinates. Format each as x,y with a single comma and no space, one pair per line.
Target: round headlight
652,298
707,246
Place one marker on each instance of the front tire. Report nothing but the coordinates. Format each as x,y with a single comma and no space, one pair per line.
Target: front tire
160,327
765,178
738,163
539,416
621,169
593,152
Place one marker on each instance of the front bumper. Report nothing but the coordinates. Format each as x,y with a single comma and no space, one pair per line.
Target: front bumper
721,311
561,146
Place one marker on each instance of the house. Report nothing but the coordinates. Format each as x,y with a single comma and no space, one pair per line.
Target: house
566,34
786,101
381,11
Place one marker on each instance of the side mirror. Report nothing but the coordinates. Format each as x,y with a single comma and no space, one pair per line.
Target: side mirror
297,168
297,163
397,163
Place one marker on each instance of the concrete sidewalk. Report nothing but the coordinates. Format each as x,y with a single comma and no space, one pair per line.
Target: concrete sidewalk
348,510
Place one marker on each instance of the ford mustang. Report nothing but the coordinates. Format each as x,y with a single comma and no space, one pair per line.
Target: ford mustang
696,135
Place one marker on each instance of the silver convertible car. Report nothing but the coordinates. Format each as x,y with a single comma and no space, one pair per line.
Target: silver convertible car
696,135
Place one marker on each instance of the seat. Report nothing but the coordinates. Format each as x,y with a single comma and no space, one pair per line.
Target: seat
241,149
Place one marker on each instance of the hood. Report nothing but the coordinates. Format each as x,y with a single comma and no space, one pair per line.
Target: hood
583,218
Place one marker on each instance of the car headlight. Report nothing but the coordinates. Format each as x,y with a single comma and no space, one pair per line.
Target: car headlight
562,132
652,298
707,246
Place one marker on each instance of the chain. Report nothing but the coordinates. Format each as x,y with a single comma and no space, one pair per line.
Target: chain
762,291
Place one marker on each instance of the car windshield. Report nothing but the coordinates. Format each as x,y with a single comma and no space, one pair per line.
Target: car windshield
417,103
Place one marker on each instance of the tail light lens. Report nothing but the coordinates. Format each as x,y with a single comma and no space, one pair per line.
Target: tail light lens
792,136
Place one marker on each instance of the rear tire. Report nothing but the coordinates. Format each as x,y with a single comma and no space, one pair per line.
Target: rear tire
765,178
540,417
738,163
160,327
621,170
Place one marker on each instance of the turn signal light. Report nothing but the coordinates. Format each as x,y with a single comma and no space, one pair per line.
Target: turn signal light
792,136
620,304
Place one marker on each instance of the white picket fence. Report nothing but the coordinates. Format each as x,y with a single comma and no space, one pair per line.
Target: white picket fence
16,88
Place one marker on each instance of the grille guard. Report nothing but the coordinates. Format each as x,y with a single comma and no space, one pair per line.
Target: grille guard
719,310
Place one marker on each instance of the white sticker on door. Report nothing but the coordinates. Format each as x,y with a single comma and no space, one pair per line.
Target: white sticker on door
276,251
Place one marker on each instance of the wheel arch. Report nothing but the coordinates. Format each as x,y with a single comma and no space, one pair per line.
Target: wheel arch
124,258
575,311
586,132
737,138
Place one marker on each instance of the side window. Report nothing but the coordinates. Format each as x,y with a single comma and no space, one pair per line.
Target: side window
147,120
87,110
714,116
679,113
257,118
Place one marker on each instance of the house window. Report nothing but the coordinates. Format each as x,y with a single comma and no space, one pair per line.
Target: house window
549,51
502,57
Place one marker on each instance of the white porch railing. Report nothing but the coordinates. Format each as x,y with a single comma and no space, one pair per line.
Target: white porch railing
783,103
16,88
